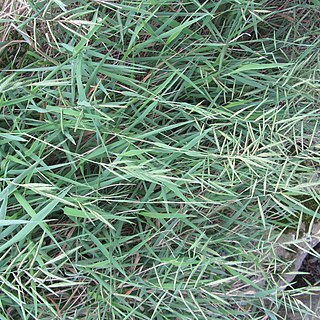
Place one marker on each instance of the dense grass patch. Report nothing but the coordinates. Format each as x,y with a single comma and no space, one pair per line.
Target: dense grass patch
151,154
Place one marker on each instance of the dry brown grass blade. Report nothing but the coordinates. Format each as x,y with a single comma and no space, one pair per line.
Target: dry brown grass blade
12,10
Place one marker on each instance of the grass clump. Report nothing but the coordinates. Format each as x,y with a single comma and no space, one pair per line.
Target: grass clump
151,153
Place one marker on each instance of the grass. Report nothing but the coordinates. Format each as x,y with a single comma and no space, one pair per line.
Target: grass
151,154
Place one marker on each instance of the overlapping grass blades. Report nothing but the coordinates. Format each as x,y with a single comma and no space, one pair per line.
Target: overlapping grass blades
151,153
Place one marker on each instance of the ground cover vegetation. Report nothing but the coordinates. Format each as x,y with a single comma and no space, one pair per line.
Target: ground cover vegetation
152,152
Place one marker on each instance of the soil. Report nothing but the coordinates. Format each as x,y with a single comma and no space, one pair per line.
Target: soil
310,266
